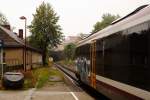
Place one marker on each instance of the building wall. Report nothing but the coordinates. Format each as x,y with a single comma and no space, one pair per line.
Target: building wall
14,56
28,59
36,59
33,59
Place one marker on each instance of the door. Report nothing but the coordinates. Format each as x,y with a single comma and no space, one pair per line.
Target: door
93,64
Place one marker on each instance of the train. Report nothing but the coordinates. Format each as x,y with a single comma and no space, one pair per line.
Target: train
115,61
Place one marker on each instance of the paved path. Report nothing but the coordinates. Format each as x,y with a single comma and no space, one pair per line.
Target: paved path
59,88
58,91
13,95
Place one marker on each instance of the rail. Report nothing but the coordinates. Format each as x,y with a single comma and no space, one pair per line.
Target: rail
71,73
91,91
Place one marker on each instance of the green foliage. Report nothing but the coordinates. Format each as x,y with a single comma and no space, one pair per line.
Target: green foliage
55,72
28,84
3,20
46,33
82,35
69,51
107,19
39,77
42,76
29,81
68,62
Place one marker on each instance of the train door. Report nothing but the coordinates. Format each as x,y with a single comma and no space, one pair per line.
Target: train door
93,64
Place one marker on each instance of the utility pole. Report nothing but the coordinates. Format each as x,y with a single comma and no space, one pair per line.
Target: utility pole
25,52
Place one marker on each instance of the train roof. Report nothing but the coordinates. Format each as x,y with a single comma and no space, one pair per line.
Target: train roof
138,16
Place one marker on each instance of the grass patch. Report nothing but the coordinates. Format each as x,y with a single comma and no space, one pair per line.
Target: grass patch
28,84
55,72
38,77
41,75
29,81
67,62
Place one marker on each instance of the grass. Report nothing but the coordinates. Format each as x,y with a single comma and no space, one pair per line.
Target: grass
28,84
41,75
29,81
54,72
67,62
37,78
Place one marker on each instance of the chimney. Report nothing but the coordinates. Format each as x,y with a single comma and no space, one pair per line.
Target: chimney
21,33
6,26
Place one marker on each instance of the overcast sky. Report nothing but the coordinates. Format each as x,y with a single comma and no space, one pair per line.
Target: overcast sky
76,16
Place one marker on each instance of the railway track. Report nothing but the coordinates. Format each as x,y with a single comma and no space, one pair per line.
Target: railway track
96,95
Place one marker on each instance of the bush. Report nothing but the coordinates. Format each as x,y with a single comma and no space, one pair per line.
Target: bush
69,51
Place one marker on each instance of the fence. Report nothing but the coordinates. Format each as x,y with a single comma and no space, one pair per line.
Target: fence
15,65
10,65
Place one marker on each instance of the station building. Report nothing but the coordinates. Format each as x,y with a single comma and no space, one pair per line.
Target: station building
14,49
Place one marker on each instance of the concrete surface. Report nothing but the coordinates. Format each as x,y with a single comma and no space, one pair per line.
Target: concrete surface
13,95
57,88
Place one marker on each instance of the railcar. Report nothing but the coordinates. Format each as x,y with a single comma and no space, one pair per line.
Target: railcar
116,60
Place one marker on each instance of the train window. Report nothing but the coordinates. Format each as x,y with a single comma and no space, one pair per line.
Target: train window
77,51
99,58
126,58
139,59
83,51
115,59
138,48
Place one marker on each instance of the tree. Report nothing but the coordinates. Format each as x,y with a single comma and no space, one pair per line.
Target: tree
107,19
82,35
3,20
69,51
46,33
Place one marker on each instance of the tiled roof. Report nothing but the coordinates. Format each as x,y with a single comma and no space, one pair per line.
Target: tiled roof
14,36
13,40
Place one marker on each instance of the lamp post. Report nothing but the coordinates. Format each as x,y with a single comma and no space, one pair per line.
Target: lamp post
24,18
